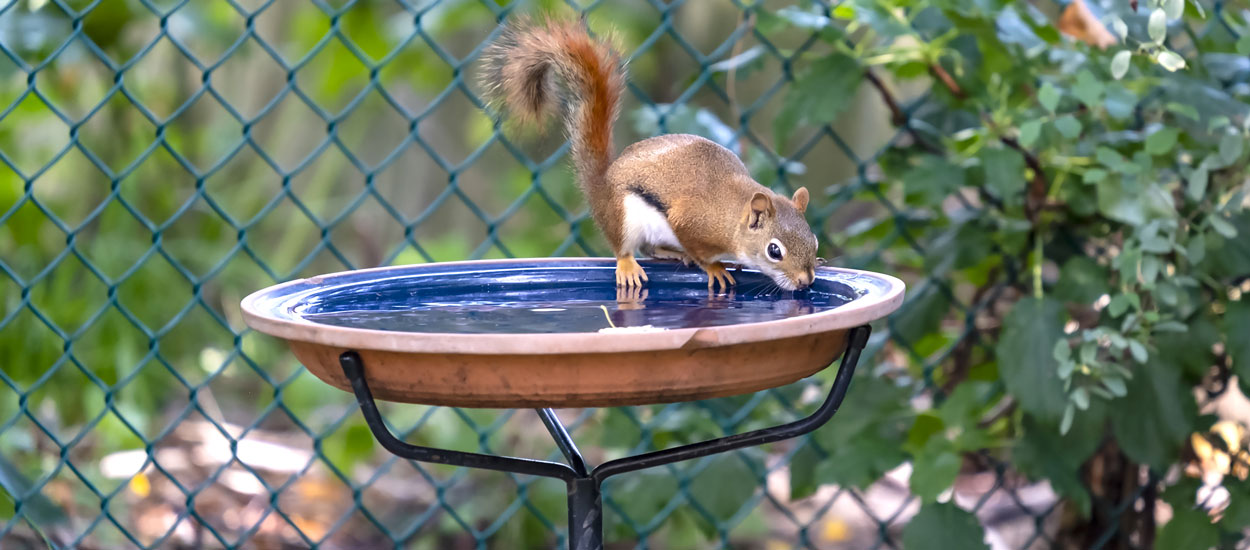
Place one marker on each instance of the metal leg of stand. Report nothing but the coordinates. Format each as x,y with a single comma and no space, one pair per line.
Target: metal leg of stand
584,486
585,514
563,441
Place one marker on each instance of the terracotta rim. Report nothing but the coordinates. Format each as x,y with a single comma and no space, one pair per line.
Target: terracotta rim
881,295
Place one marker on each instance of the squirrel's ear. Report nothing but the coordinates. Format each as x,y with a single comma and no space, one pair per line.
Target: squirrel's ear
800,199
759,207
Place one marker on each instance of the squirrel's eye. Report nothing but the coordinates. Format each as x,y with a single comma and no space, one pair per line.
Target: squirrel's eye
774,252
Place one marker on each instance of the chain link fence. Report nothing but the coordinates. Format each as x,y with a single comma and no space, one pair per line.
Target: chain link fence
162,159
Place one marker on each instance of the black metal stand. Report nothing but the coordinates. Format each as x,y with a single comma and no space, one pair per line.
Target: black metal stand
585,501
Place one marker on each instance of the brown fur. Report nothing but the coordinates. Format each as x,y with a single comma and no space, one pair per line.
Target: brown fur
716,210
519,76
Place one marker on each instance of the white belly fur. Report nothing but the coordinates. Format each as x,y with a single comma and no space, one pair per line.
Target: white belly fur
644,225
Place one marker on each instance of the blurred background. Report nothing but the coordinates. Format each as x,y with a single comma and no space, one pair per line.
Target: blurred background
1061,184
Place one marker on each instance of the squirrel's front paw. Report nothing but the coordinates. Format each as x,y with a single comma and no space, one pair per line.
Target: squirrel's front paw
629,273
716,273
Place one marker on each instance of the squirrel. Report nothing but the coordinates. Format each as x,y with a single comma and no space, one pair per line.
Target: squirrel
674,196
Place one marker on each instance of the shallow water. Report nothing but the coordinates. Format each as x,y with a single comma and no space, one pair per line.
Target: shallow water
477,306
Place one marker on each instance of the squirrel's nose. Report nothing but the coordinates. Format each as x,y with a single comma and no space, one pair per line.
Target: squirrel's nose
804,280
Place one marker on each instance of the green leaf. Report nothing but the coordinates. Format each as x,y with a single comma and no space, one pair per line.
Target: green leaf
1150,267
803,473
1025,355
1088,88
1115,386
1173,8
1069,414
1066,367
868,438
1119,28
1237,341
1110,158
1188,528
1243,44
1230,148
1170,61
1153,420
1171,326
1197,183
803,19
1197,5
820,94
641,495
935,470
927,425
932,179
1063,351
1162,140
1080,397
1185,110
1157,27
1152,241
1034,452
1138,351
1196,250
724,486
1229,257
1004,172
347,447
1120,204
943,526
1049,97
39,509
1069,126
1120,102
867,459
921,314
1120,63
1237,515
1082,280
1221,226
1029,132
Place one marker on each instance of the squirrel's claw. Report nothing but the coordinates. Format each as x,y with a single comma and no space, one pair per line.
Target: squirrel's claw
716,273
628,273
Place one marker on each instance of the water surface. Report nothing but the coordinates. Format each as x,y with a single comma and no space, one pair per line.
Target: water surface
551,301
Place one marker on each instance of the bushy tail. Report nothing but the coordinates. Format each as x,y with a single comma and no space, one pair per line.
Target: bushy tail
519,75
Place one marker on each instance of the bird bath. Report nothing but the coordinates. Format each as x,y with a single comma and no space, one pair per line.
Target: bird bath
556,333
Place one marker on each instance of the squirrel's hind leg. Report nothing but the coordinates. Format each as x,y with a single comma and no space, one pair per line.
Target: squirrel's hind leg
628,272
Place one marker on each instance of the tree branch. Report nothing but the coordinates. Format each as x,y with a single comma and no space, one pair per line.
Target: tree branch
938,72
1035,199
897,116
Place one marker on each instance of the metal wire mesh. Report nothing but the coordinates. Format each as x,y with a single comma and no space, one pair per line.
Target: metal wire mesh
162,159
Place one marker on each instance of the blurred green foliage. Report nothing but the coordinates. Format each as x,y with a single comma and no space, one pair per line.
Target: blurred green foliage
1071,222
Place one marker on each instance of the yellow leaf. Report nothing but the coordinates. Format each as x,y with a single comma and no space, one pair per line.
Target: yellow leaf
1231,432
835,530
1202,448
773,544
140,485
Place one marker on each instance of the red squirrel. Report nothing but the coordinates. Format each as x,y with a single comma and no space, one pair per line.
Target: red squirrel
674,196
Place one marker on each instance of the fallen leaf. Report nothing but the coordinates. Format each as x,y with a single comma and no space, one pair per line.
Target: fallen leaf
1078,22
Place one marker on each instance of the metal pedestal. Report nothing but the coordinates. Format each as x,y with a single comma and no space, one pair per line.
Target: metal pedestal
585,499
